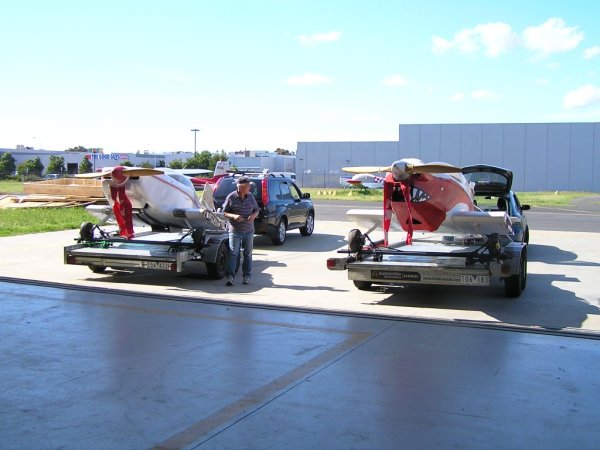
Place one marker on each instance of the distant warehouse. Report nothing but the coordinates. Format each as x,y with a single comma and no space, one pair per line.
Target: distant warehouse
543,156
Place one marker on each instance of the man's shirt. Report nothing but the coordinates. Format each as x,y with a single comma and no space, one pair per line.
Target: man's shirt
234,204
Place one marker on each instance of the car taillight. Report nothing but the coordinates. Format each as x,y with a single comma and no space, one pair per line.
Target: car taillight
265,193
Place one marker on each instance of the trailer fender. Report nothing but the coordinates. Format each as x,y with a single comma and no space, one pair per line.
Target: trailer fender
513,252
210,251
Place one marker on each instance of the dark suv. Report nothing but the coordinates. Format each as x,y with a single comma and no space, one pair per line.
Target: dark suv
282,205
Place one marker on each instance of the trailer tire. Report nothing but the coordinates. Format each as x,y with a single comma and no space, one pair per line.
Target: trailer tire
97,269
362,285
218,269
515,284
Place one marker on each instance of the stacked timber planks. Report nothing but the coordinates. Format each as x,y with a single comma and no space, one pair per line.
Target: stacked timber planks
63,192
81,187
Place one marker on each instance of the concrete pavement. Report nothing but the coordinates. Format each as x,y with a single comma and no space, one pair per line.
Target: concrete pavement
561,291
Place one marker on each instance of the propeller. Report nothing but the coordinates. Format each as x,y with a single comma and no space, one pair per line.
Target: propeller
367,169
124,171
432,168
408,168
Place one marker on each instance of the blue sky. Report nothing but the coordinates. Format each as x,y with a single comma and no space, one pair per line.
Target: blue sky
139,75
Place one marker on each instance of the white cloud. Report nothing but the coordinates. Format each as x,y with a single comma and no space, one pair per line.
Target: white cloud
581,97
495,39
308,79
440,45
395,80
552,36
312,39
542,81
591,52
457,97
484,94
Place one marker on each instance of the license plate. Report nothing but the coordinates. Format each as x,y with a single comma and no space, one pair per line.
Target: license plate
159,265
475,280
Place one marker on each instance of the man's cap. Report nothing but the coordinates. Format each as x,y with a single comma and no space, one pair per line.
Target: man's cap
243,180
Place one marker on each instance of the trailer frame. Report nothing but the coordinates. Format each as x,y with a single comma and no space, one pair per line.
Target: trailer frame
473,260
164,250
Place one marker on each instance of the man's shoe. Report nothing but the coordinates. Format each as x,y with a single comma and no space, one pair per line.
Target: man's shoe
229,281
246,280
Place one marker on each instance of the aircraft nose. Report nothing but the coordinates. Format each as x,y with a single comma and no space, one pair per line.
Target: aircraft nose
118,176
399,171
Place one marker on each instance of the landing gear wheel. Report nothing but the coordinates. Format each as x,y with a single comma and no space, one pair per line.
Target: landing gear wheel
515,284
362,285
356,240
279,236
218,269
86,231
97,269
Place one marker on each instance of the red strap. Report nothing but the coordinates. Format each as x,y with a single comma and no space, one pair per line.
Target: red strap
406,192
123,211
388,190
389,184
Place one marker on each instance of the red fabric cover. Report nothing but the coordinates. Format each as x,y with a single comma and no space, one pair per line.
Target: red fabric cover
388,189
123,211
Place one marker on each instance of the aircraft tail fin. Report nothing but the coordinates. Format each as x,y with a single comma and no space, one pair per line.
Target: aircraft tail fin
207,201
221,168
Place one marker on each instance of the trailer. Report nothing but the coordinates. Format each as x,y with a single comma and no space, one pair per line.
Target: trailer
469,260
99,248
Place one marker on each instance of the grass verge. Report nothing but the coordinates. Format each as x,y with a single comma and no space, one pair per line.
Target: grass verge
371,195
16,221
11,187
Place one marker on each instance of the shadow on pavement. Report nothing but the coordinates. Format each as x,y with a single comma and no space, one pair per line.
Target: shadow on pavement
553,255
542,304
296,242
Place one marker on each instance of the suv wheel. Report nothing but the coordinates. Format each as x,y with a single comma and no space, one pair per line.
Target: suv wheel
309,227
279,237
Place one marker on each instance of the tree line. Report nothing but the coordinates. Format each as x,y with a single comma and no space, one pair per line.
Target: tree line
33,168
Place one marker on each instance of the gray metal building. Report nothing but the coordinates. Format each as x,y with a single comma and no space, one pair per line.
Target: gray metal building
542,156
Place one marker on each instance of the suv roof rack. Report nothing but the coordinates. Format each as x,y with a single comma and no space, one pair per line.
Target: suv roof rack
264,173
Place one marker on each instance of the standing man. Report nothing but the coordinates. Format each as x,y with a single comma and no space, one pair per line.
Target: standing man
241,209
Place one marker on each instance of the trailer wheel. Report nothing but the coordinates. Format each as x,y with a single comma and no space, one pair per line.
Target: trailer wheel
515,284
97,269
362,285
218,269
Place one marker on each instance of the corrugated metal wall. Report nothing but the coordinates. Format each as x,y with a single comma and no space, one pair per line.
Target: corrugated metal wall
542,156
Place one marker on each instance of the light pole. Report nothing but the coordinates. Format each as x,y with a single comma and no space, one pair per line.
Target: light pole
195,130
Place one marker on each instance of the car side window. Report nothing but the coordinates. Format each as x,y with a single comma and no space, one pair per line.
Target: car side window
274,191
294,192
253,189
517,202
225,187
285,192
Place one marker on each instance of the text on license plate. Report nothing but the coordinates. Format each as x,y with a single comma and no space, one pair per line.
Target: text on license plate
475,280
